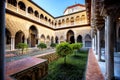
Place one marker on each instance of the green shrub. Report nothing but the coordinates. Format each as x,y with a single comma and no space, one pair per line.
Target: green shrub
63,50
76,46
53,45
42,45
22,46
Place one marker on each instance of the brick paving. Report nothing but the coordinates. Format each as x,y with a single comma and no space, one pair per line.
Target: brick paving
93,69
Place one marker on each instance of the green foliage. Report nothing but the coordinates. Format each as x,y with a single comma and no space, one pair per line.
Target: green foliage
74,70
22,46
63,50
76,46
53,45
42,45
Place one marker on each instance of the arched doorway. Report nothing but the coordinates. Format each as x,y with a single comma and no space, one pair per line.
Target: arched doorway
87,40
48,40
19,38
61,39
70,36
52,39
8,39
42,39
33,36
56,39
79,39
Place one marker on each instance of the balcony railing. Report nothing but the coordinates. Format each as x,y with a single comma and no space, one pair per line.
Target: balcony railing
42,21
26,14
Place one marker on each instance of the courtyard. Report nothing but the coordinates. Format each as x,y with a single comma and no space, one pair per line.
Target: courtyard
83,43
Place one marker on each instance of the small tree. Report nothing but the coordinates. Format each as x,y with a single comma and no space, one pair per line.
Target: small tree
42,45
76,46
53,45
63,50
22,46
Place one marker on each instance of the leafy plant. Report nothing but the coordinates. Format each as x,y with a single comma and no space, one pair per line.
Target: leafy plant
42,45
63,50
22,46
76,46
53,45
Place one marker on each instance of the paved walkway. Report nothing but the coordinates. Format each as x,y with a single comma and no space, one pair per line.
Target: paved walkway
33,53
93,69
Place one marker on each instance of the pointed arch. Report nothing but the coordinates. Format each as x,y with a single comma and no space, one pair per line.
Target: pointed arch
56,40
87,40
19,37
79,39
42,38
33,36
70,36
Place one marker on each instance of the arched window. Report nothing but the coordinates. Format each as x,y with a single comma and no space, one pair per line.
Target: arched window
72,20
36,14
77,18
12,2
30,10
21,5
41,16
63,21
83,18
67,21
49,21
59,22
46,18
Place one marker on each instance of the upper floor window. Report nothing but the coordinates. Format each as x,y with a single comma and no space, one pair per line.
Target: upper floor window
30,10
22,5
12,2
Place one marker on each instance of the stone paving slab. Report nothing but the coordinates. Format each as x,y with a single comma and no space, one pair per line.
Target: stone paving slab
93,69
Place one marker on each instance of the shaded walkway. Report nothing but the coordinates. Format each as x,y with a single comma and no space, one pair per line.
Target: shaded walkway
93,69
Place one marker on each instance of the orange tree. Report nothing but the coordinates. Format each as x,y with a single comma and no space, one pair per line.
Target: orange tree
63,50
76,46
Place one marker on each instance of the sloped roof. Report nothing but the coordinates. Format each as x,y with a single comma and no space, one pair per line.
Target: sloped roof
81,5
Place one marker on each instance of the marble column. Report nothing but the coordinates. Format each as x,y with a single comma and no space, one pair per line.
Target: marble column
109,47
2,40
98,45
12,42
95,45
83,43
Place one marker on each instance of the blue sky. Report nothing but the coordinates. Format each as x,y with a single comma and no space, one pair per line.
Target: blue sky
56,7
